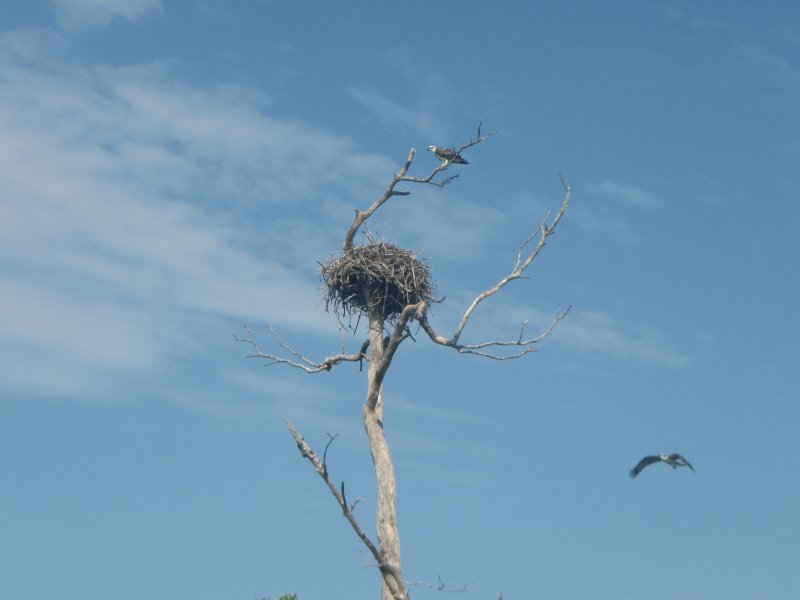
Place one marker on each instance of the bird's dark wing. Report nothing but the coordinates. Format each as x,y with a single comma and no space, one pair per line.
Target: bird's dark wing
645,462
682,461
449,154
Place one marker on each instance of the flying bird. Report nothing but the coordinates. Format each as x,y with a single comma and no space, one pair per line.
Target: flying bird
673,460
447,155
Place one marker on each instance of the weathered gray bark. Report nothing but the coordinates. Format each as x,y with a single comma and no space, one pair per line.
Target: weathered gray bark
381,351
393,586
386,517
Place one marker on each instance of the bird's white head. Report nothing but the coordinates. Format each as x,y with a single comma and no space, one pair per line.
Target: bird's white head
431,148
663,456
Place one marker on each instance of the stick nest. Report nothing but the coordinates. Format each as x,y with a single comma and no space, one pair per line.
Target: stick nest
392,277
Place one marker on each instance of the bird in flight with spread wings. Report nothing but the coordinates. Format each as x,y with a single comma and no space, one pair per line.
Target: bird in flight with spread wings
447,155
673,460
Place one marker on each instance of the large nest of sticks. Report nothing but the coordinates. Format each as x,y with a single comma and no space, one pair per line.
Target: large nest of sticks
391,276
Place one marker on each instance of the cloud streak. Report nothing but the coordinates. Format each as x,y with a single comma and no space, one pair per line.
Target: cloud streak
606,216
601,335
136,208
142,212
146,216
627,194
97,14
422,111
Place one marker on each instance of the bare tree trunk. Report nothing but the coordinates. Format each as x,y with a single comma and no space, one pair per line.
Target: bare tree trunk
376,290
386,524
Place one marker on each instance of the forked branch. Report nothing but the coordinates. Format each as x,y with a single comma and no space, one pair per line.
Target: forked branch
388,572
362,216
479,137
298,361
525,256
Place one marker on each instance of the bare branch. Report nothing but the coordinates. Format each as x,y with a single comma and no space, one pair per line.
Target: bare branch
439,587
394,319
362,216
299,361
429,179
389,572
477,349
478,138
525,256
325,456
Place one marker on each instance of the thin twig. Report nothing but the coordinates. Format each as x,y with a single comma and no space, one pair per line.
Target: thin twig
325,454
300,362
388,571
401,176
439,587
525,256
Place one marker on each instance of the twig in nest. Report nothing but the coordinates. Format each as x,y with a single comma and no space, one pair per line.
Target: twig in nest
378,276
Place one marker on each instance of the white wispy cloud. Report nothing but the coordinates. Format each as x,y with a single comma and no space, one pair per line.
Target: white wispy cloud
248,398
768,57
140,210
628,194
602,335
593,219
608,214
142,215
425,106
694,21
136,209
96,14
770,63
454,228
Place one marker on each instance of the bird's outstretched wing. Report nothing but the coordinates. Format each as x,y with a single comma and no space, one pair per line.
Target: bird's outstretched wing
645,462
680,460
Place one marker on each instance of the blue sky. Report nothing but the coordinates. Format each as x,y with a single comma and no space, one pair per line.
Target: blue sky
173,171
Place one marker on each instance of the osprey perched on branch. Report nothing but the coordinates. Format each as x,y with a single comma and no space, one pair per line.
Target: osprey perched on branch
447,155
673,460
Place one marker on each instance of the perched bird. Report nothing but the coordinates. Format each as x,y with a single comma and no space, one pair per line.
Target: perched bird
447,155
673,460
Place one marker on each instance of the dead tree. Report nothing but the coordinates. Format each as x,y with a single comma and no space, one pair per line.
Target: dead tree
392,288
